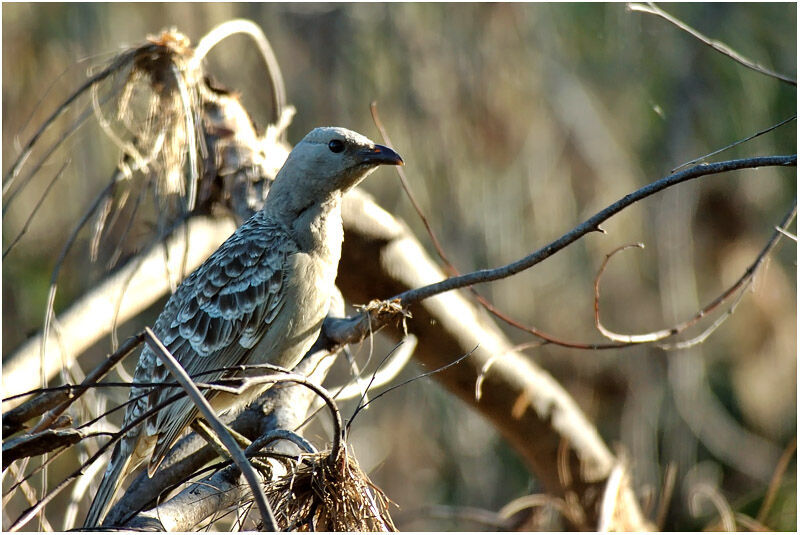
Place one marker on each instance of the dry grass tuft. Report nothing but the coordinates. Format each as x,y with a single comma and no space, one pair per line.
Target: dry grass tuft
324,494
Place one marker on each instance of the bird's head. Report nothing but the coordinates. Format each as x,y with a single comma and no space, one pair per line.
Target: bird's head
330,160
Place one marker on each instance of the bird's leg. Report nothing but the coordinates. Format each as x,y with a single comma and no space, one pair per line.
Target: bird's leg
200,427
240,439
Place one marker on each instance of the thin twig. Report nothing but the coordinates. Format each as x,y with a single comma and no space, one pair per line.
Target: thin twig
116,64
191,136
36,207
741,284
421,376
9,198
774,483
534,500
735,143
373,108
713,495
713,43
386,371
279,434
28,492
98,373
664,499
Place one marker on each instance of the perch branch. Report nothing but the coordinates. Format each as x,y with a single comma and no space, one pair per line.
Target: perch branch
356,328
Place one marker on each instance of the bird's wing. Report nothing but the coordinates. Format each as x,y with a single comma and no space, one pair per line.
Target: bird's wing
215,317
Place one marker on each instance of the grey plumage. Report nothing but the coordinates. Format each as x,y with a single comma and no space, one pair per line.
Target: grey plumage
260,298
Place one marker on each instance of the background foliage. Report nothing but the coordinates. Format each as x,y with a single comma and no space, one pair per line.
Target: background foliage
516,122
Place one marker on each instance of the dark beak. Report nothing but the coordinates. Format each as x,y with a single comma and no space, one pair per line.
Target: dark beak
380,155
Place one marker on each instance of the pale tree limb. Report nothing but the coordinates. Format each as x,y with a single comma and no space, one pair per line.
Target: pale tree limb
91,317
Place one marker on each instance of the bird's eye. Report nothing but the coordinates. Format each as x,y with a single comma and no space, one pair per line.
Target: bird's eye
336,145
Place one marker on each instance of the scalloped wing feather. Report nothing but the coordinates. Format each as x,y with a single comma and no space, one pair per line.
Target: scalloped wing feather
214,318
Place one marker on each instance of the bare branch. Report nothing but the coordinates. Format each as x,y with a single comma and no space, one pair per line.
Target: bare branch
355,328
98,373
591,225
735,143
14,420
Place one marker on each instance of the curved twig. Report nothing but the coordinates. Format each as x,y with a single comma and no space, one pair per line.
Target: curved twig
404,383
387,370
534,500
774,483
279,434
191,134
241,384
624,338
713,495
8,199
228,28
739,286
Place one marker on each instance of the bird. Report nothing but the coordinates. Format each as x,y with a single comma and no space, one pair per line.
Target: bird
260,298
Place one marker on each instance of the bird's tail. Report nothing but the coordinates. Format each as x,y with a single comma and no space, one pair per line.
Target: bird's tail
115,472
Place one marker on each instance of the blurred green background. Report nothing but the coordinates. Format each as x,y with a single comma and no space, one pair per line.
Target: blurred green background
516,122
